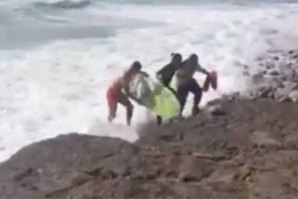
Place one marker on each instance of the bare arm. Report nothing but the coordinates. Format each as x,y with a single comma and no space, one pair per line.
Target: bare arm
202,70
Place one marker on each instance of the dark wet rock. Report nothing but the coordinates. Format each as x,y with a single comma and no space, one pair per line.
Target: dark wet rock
281,73
274,73
295,56
249,152
287,73
276,58
284,99
257,78
246,66
265,92
246,73
216,110
269,65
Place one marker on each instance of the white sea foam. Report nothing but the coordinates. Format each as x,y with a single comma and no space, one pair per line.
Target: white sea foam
58,85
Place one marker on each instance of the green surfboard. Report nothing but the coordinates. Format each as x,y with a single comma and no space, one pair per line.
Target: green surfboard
166,104
154,96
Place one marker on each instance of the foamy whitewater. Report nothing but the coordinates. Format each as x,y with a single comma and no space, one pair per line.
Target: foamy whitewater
57,57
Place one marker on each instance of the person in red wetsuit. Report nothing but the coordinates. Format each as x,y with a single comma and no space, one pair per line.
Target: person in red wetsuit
117,93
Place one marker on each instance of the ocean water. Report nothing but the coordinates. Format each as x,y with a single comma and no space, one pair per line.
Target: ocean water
58,57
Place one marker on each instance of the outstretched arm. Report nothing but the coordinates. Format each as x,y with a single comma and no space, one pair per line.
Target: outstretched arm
202,70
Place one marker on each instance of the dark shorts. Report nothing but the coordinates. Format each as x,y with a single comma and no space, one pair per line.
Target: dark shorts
166,81
192,87
114,97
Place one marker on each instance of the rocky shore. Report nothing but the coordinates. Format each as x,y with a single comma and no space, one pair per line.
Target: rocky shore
275,76
242,146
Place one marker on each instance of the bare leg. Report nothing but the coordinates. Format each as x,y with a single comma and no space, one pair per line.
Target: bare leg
123,99
197,91
158,120
182,93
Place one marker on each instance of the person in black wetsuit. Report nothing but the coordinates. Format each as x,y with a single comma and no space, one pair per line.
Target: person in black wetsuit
166,73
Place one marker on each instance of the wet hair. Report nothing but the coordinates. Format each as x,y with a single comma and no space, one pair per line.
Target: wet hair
136,65
176,57
193,57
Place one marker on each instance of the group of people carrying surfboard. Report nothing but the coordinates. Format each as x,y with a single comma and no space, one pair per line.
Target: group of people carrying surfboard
120,91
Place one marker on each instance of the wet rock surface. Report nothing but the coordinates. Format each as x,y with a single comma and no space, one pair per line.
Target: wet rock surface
275,75
251,151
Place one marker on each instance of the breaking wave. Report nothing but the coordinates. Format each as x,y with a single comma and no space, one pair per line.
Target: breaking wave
64,4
